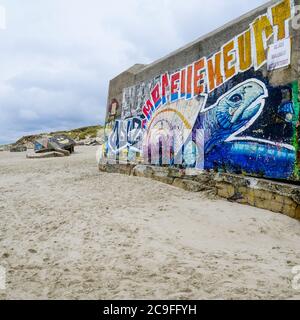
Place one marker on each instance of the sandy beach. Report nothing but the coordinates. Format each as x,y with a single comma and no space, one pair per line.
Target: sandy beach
70,232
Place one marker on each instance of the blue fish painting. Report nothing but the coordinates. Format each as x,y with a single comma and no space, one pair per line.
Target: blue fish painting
225,144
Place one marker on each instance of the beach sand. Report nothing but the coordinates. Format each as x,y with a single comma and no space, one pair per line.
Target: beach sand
70,232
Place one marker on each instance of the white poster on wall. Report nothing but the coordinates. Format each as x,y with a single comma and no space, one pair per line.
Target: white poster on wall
279,54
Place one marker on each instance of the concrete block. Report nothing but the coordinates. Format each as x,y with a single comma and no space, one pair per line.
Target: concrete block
205,178
279,198
112,168
225,190
262,194
296,196
242,200
188,185
167,180
250,197
262,203
289,201
267,195
142,171
162,171
297,214
102,167
176,173
125,169
276,206
289,210
44,155
242,190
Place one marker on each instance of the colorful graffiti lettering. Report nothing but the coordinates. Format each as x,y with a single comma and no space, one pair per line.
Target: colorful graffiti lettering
238,55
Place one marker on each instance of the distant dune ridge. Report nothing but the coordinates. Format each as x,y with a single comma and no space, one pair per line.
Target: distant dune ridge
84,135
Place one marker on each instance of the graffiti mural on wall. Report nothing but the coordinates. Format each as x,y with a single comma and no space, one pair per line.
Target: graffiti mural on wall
134,97
249,129
113,109
125,135
221,108
173,124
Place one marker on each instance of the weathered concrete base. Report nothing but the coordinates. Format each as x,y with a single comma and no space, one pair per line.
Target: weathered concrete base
188,180
58,150
265,194
117,168
46,155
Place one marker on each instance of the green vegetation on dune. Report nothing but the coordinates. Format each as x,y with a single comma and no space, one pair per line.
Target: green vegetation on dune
81,133
76,134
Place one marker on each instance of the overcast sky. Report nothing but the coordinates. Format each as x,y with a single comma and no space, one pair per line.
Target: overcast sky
57,56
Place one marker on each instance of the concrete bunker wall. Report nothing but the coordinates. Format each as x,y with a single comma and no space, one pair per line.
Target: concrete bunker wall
228,101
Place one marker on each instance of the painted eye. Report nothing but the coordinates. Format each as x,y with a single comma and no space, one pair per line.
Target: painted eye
236,98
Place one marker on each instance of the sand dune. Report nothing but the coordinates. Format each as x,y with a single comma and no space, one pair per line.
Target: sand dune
68,231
